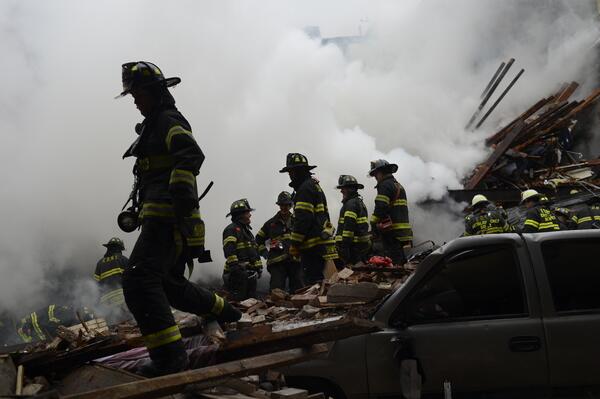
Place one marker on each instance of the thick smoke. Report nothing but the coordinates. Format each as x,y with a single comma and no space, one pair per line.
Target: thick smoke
254,88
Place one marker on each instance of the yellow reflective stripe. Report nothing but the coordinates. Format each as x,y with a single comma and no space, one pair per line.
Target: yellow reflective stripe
305,206
244,245
400,202
162,210
549,225
261,233
350,214
175,130
231,239
218,306
297,237
96,277
162,337
584,219
182,176
360,239
232,259
382,198
338,238
36,326
276,259
362,220
532,223
24,337
400,226
113,296
320,208
348,234
404,238
111,272
374,219
261,248
51,316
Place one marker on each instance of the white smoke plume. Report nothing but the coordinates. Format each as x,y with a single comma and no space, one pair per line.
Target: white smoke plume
254,88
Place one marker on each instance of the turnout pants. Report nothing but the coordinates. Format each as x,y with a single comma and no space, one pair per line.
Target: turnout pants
284,272
240,282
394,249
312,264
154,281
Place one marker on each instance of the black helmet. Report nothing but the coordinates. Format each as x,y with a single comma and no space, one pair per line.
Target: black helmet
140,74
349,181
382,164
296,160
115,242
284,198
239,206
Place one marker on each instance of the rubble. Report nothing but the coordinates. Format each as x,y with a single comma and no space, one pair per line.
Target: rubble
535,149
279,329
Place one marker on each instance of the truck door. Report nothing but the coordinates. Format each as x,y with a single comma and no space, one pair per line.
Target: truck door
469,321
569,272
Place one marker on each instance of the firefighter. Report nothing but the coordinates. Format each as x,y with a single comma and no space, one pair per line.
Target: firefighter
389,221
284,269
42,324
108,274
486,218
539,218
312,235
243,266
353,240
588,217
168,160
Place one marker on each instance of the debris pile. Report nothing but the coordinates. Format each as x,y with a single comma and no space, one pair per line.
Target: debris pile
93,360
535,150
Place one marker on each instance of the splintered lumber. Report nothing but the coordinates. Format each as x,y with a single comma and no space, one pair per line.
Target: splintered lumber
174,383
498,152
363,291
567,92
290,393
291,335
498,137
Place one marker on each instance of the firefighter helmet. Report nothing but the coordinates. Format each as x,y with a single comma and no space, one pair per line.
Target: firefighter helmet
239,206
295,160
529,194
284,198
349,181
115,242
142,74
479,199
383,165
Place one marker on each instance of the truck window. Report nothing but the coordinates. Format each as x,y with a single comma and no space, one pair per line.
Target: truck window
475,284
573,268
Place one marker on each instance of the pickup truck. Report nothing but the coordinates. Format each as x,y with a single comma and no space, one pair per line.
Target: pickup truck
496,316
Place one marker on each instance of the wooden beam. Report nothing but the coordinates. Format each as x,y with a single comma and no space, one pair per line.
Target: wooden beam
294,337
174,383
498,152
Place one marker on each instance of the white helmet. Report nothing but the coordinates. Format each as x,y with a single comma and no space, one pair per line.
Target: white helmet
528,194
477,199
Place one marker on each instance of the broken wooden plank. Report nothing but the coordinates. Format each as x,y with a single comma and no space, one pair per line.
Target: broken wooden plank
173,383
363,291
498,152
499,136
308,334
290,393
567,92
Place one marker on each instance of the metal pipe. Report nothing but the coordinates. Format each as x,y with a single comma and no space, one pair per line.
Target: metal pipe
492,80
499,99
490,92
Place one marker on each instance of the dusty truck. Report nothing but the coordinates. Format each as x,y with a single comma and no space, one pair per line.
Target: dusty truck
504,315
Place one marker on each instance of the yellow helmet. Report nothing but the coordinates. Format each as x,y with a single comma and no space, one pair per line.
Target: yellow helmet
477,199
528,194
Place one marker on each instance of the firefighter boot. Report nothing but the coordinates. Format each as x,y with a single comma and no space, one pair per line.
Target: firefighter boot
168,359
